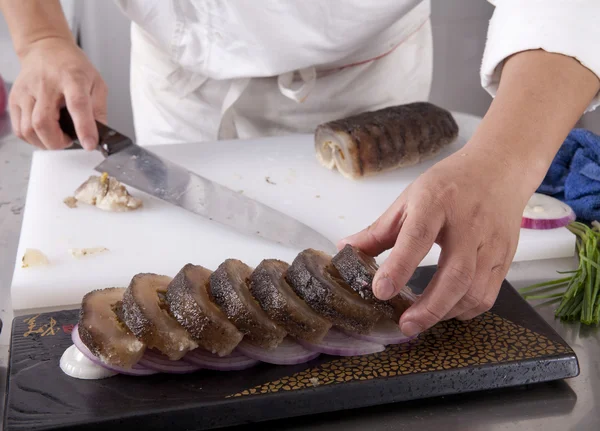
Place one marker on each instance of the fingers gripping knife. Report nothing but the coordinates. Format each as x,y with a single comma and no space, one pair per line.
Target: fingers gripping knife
141,169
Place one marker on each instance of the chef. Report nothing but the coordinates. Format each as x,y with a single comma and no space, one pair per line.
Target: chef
207,70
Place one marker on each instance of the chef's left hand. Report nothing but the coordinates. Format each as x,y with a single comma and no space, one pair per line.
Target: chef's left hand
471,204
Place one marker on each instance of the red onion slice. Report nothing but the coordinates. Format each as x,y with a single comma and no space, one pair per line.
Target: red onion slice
159,362
136,370
386,332
3,97
233,362
546,212
287,353
337,343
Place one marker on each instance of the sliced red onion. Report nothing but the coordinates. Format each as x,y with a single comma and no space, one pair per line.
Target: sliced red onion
3,97
546,212
337,343
159,362
287,353
136,370
386,332
233,362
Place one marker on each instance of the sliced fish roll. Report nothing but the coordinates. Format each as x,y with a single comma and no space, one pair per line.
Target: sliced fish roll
319,284
357,269
190,303
282,305
103,331
377,141
146,313
229,290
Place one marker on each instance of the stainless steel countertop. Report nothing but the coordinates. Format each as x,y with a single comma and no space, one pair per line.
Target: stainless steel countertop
572,404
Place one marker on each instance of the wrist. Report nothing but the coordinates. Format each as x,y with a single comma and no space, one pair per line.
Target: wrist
516,164
24,48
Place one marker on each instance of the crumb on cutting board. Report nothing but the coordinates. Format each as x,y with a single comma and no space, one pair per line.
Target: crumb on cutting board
81,252
70,201
33,257
268,179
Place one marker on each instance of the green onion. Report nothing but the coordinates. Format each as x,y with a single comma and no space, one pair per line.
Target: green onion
580,292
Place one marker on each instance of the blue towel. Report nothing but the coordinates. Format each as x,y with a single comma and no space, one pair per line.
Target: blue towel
574,175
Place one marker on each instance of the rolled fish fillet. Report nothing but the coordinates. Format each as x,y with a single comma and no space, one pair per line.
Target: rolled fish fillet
358,270
103,332
230,292
146,313
378,141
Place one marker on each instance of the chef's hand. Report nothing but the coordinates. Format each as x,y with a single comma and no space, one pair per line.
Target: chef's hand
54,73
471,204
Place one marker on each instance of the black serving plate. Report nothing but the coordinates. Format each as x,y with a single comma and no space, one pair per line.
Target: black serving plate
509,346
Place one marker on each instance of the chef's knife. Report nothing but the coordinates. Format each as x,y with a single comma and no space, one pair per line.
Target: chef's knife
141,169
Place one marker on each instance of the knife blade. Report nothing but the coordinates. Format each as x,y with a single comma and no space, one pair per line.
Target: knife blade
144,170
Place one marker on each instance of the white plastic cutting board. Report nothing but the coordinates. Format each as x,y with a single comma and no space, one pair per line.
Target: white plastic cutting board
161,238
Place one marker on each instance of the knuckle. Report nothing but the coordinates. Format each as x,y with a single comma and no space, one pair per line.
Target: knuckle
374,234
446,194
475,212
43,84
432,314
419,233
29,134
466,316
471,301
76,75
499,270
398,270
13,98
460,276
14,111
78,101
487,304
495,238
101,86
496,244
41,122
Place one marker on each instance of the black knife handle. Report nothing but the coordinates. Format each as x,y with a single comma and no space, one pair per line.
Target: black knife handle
110,141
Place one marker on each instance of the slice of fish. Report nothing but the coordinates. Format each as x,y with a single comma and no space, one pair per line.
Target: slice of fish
107,194
103,331
146,313
280,302
190,302
377,141
315,279
357,269
229,290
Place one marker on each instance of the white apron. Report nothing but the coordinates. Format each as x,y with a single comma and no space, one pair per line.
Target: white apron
207,70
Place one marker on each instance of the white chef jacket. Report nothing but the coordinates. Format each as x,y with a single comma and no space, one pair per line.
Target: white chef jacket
203,70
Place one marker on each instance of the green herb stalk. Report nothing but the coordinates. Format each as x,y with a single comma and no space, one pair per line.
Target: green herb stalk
580,292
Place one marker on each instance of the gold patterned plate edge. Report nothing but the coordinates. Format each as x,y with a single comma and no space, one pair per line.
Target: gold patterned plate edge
484,340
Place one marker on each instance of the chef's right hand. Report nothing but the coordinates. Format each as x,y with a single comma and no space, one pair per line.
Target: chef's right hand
54,73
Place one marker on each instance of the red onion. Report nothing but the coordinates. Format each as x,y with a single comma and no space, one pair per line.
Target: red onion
136,370
287,353
159,362
546,212
337,343
233,362
386,332
3,97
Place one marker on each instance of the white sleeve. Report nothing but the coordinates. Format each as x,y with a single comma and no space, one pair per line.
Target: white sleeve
568,27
